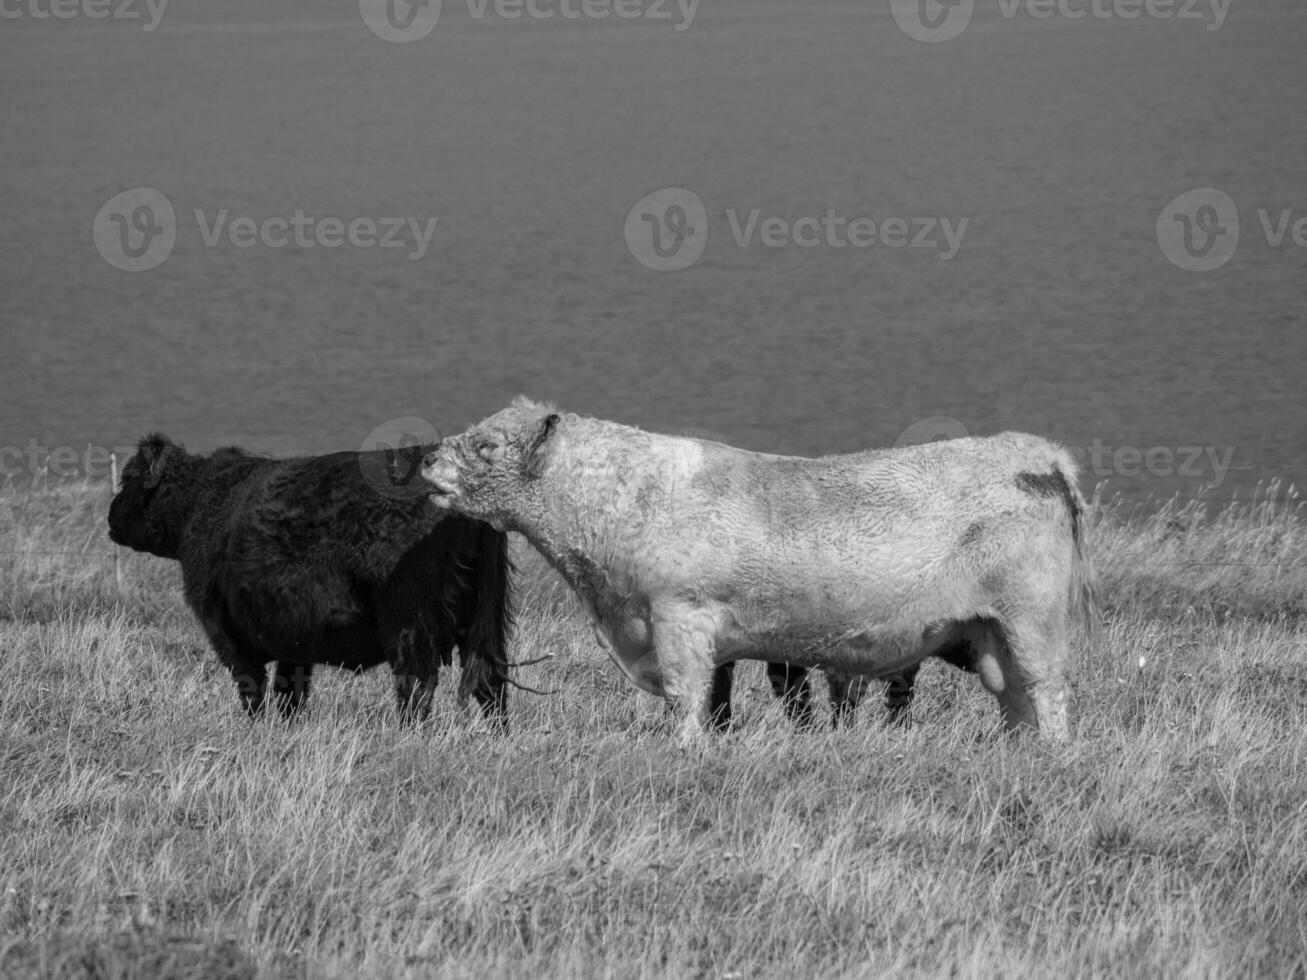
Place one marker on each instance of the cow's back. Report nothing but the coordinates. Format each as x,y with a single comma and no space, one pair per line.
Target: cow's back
296,549
804,550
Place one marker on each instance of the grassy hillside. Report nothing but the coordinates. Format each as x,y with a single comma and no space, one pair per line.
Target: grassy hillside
149,829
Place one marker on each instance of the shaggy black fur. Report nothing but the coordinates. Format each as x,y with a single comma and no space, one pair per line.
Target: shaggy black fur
334,559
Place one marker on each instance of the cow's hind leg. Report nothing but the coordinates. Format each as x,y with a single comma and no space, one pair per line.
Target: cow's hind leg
482,613
789,683
415,663
899,693
290,686
412,697
719,710
1040,651
846,692
1023,664
491,694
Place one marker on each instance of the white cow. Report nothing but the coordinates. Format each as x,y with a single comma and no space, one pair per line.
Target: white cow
688,553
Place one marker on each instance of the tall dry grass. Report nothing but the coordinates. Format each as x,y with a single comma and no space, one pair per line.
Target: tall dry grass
148,829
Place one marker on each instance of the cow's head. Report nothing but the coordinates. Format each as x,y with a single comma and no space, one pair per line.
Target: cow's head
490,471
133,517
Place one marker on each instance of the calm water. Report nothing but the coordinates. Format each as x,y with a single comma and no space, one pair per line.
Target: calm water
1061,141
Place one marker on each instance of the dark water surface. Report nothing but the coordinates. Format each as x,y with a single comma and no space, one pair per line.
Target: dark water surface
1060,140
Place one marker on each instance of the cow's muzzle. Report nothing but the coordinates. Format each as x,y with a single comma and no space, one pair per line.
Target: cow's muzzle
441,473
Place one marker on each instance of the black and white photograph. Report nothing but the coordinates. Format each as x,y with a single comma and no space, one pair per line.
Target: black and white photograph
724,489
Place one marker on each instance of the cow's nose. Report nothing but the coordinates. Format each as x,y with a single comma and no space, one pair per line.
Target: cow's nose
438,471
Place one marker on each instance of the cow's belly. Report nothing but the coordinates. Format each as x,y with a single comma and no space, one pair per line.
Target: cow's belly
872,651
866,632
354,647
842,618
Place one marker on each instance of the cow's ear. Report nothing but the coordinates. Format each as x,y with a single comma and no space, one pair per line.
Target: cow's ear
537,451
155,452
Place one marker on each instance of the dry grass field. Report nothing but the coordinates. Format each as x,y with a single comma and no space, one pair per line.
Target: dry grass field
148,829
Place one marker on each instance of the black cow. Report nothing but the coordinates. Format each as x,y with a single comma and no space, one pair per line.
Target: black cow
335,559
789,682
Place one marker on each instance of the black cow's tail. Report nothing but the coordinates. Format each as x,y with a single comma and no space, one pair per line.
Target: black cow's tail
485,661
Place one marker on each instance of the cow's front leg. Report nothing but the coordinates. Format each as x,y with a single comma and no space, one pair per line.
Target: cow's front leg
251,677
249,668
290,685
683,645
